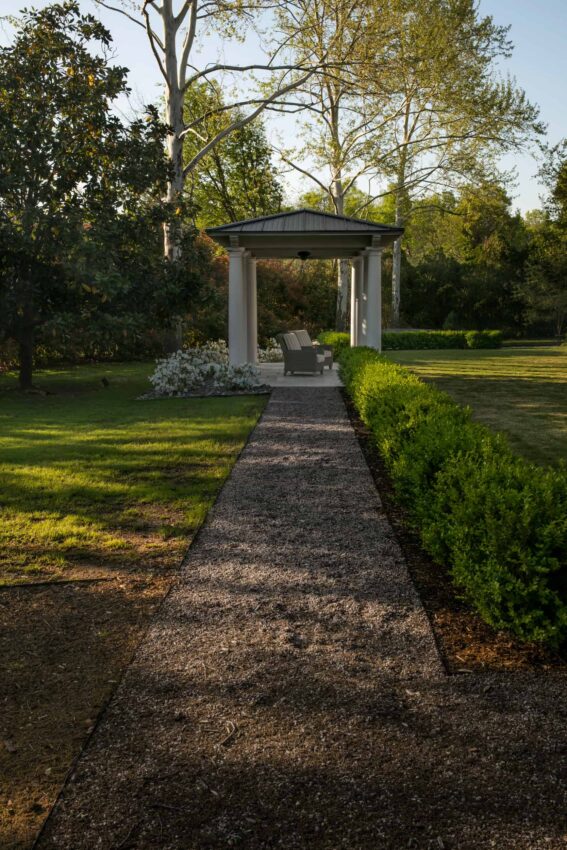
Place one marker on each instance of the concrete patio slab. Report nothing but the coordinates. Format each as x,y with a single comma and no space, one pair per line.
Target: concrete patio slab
272,375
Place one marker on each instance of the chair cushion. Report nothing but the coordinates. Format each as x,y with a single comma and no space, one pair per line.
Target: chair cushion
304,338
291,341
321,358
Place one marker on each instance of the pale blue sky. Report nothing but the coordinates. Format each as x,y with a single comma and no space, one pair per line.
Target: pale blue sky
539,64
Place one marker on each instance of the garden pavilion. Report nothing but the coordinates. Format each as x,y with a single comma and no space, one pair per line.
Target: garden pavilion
304,234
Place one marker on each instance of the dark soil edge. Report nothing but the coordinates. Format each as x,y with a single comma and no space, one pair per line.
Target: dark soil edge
466,644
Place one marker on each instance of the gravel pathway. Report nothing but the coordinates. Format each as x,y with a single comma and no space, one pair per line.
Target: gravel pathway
289,693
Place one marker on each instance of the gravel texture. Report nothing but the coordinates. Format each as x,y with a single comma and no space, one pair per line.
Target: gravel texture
289,692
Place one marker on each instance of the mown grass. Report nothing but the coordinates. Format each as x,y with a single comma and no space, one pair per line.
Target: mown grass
520,391
91,478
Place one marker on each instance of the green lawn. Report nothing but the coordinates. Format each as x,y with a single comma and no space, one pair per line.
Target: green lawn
520,391
92,479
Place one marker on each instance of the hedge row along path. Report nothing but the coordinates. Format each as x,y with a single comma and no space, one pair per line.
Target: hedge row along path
289,693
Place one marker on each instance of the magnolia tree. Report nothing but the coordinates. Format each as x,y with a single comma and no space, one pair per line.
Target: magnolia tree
69,168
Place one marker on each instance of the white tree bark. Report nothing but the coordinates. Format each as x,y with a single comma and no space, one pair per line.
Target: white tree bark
171,27
338,125
174,107
343,266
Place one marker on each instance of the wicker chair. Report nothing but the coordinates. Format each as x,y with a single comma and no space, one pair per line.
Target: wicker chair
305,342
298,359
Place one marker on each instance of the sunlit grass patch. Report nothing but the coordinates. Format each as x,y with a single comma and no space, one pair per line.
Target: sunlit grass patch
520,391
90,476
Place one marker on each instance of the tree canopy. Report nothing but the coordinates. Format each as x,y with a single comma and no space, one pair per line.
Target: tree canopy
406,94
77,184
544,288
236,180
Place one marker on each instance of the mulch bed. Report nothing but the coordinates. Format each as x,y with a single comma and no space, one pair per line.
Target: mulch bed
466,643
63,649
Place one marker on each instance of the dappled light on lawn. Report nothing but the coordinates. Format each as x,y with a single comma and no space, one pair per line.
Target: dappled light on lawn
520,391
94,479
101,495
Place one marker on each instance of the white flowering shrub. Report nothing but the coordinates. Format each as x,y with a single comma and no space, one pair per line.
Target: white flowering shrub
202,369
217,349
272,353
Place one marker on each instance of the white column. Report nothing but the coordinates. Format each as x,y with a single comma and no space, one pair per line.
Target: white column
237,345
361,335
360,300
353,311
374,299
252,311
245,278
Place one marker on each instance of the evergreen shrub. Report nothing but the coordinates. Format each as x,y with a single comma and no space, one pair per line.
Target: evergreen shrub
420,340
496,520
417,340
484,339
339,341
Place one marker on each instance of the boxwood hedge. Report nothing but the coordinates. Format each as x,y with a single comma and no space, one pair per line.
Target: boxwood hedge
339,341
497,521
414,340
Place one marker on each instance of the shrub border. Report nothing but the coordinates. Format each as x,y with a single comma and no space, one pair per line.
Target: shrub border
497,521
419,340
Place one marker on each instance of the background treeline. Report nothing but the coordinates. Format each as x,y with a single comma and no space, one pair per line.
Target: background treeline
86,198
469,261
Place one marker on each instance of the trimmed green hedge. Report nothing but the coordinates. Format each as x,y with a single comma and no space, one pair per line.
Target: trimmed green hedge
339,341
413,340
484,339
497,521
416,340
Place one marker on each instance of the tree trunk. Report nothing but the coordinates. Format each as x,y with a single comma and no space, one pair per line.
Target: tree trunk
174,118
343,271
171,247
397,267
396,282
26,360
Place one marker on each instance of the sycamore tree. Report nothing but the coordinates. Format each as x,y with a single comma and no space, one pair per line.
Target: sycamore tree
237,179
175,29
336,118
452,116
417,108
67,164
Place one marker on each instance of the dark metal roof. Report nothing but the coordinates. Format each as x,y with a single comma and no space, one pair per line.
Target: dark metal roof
306,221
